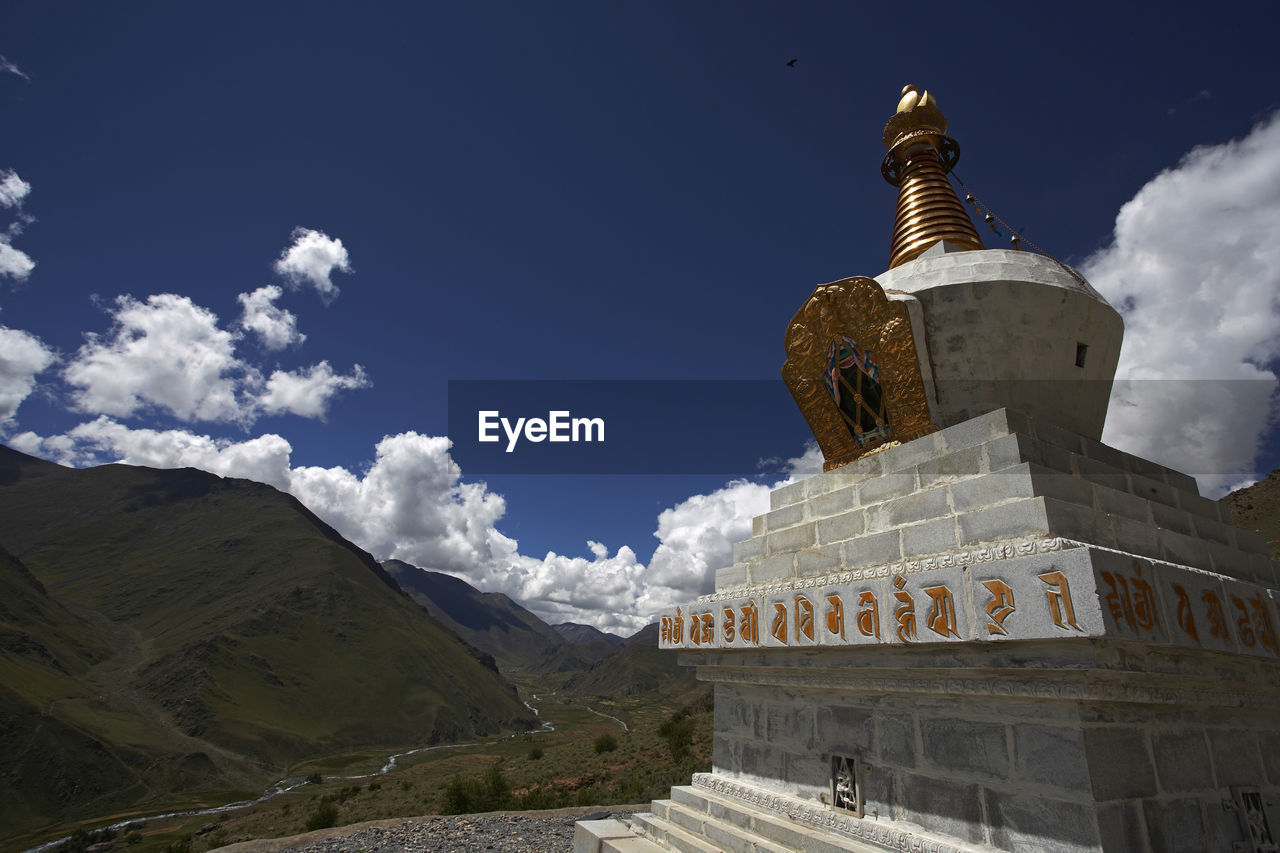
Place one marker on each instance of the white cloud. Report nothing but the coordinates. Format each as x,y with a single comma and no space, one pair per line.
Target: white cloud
275,327
12,188
307,392
697,536
1195,269
311,259
9,67
603,591
621,594
265,458
167,353
14,263
411,504
22,357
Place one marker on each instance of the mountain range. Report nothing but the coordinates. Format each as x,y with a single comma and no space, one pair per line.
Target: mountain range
519,642
170,635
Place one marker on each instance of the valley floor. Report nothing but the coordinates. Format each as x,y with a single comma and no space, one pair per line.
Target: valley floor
596,752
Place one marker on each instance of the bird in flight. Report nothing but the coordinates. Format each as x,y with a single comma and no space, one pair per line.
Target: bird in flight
791,64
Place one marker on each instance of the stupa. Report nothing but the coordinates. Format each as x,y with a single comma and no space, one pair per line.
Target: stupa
980,628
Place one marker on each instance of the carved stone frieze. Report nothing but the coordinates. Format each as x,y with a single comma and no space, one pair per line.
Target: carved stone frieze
967,557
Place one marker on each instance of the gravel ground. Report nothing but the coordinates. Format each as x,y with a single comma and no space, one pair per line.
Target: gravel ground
500,832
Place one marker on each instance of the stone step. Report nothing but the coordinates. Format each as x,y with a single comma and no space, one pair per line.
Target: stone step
668,835
725,835
1093,503
986,445
743,829
610,836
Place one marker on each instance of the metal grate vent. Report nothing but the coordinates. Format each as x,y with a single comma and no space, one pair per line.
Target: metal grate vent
1257,815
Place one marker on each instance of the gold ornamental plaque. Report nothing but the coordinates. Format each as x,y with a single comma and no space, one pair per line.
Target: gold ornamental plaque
853,371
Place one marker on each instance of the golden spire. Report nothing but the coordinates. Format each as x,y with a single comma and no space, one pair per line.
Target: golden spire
920,155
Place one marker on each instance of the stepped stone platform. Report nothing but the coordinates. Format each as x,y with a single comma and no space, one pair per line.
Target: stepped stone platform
1000,636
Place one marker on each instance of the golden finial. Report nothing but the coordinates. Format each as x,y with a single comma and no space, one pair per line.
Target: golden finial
920,155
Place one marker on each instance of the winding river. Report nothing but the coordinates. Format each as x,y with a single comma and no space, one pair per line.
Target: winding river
283,786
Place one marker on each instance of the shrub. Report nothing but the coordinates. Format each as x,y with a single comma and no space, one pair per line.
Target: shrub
677,731
490,793
606,743
535,753
325,815
314,779
456,798
497,791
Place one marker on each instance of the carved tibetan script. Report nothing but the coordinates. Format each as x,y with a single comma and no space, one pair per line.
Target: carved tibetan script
900,612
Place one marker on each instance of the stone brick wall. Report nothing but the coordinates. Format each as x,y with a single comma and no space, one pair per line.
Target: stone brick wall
1051,773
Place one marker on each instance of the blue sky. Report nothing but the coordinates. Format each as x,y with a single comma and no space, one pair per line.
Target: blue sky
435,192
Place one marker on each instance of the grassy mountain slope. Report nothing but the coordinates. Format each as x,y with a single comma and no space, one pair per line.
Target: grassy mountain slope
518,640
171,632
1257,508
637,667
44,652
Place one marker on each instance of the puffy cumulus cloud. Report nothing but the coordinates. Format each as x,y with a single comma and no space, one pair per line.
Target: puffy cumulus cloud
307,392
618,593
61,448
275,327
12,188
23,356
410,504
311,259
167,353
697,537
170,354
1194,267
265,458
14,262
602,590
103,440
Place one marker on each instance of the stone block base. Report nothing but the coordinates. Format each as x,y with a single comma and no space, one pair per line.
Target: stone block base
1001,636
1083,746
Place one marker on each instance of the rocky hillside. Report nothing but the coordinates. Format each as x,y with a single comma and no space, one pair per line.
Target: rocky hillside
1257,508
